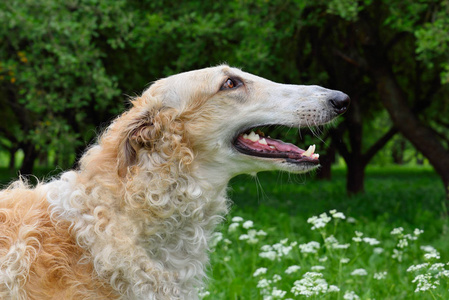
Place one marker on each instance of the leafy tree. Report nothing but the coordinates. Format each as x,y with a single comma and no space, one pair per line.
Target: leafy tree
54,86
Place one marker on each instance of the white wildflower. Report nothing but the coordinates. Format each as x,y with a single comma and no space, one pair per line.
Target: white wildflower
292,269
414,268
248,224
237,219
359,272
333,289
319,222
434,255
425,283
403,243
277,278
227,241
271,255
244,237
344,260
278,294
437,267
203,294
418,231
397,254
261,233
371,241
333,243
337,215
311,284
264,283
266,248
410,237
341,246
233,227
350,295
227,258
380,275
215,239
378,250
310,247
351,220
397,231
323,259
317,268
358,237
260,271
428,249
442,273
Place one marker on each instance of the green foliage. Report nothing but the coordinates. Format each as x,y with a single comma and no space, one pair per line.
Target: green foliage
52,69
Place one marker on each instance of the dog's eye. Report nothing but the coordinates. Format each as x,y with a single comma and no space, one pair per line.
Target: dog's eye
230,83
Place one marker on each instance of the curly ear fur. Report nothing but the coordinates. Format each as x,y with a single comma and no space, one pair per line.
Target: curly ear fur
154,134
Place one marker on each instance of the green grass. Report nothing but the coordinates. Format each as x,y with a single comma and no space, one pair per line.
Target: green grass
280,204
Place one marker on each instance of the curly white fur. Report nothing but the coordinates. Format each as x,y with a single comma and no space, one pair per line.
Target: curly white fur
134,221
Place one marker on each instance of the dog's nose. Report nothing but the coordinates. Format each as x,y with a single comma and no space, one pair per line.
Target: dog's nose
339,101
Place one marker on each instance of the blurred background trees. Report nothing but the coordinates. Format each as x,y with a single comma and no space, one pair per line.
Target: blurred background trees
67,67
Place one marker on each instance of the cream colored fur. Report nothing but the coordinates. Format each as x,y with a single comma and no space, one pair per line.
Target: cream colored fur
133,222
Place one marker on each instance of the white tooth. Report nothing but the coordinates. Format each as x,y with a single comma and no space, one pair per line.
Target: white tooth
316,156
245,136
272,147
309,151
263,142
253,136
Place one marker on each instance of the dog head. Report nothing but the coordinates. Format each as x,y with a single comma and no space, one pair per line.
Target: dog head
208,119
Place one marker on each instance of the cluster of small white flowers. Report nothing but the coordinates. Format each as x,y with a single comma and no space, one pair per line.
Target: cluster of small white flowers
337,215
310,247
265,285
415,268
312,283
320,221
202,293
277,250
317,268
292,269
359,272
425,283
332,242
397,254
358,237
350,295
259,272
378,250
431,253
371,241
397,231
380,275
215,239
251,236
248,224
344,260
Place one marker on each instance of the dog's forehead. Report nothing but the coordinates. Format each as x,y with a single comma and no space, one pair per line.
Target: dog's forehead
176,90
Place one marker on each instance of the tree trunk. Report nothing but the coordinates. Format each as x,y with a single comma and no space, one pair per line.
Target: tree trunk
29,158
355,183
326,160
394,100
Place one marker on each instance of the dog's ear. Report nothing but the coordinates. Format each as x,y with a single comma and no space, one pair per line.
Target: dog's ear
157,133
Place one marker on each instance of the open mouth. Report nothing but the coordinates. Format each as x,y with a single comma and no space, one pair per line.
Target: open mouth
254,142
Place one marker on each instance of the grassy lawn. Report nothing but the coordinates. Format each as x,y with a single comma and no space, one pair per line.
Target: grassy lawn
389,243
332,261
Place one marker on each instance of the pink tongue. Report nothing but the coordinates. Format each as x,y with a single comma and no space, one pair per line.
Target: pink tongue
280,146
